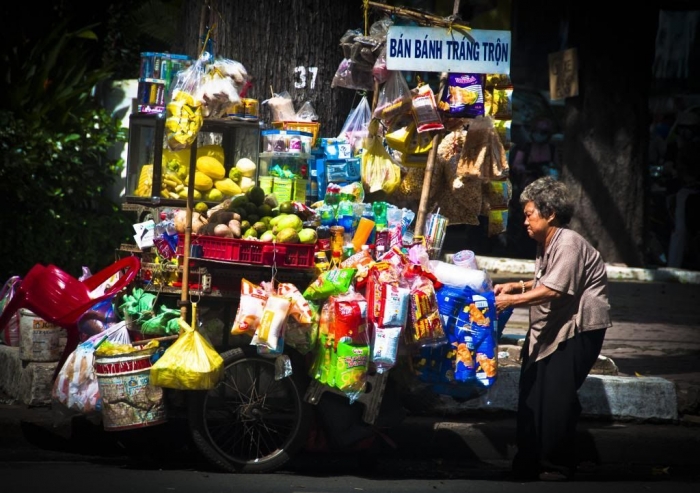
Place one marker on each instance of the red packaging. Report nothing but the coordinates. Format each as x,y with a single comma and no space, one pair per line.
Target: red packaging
348,321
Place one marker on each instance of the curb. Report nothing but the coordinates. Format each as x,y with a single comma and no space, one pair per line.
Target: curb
615,272
599,442
601,396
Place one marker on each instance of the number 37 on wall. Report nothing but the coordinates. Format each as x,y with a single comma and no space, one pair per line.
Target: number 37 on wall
302,73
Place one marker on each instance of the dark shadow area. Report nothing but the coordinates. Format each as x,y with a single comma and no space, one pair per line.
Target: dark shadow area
635,301
671,364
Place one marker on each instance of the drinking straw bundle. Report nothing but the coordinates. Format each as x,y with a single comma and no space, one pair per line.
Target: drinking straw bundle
436,228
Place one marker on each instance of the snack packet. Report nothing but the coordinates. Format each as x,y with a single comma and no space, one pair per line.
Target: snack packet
250,308
385,345
300,308
271,326
329,283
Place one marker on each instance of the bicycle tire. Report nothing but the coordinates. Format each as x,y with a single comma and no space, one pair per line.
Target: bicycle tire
250,422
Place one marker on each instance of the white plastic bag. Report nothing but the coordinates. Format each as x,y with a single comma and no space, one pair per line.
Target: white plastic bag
355,127
459,277
75,389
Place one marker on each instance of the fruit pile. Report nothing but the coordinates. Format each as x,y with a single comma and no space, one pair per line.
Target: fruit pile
254,215
211,181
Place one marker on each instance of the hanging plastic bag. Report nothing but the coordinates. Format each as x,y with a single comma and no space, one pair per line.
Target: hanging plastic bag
394,98
191,363
379,71
221,86
164,324
184,111
10,332
379,172
355,127
75,389
306,113
281,107
98,318
425,111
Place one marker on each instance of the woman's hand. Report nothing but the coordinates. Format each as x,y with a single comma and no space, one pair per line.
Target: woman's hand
503,301
507,288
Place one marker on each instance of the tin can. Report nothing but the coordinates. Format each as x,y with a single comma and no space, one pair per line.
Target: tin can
251,109
236,109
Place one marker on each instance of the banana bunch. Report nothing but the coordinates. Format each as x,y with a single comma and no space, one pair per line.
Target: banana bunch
184,120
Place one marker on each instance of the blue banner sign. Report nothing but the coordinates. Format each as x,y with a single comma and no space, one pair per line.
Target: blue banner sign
437,49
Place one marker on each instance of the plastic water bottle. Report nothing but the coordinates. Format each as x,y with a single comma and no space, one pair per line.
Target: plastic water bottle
345,215
368,213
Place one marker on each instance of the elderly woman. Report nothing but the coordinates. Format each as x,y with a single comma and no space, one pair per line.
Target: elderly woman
569,314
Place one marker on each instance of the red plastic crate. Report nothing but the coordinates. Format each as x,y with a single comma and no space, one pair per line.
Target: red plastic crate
250,252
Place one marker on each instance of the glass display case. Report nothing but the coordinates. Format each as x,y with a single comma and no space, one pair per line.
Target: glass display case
284,167
151,163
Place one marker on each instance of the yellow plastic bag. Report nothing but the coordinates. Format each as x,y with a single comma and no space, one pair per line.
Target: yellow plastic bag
379,172
191,363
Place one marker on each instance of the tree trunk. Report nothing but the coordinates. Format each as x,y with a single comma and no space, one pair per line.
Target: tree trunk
607,127
289,45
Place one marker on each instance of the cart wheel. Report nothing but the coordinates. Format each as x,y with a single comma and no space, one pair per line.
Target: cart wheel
250,422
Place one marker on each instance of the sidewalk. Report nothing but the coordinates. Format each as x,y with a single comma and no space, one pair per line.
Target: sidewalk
641,406
653,345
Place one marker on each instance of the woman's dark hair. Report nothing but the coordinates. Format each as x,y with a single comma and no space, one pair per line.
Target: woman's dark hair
549,196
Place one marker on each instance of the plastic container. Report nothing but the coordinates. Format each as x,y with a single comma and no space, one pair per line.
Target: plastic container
365,227
465,258
309,127
128,399
286,141
291,255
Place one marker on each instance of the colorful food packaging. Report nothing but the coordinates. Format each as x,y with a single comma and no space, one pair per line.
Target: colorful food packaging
499,193
502,103
463,97
475,333
300,309
303,336
426,327
380,273
425,110
352,365
347,321
361,262
385,346
250,308
393,309
322,368
272,321
329,283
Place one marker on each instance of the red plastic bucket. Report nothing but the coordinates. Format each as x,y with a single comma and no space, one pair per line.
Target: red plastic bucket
128,399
